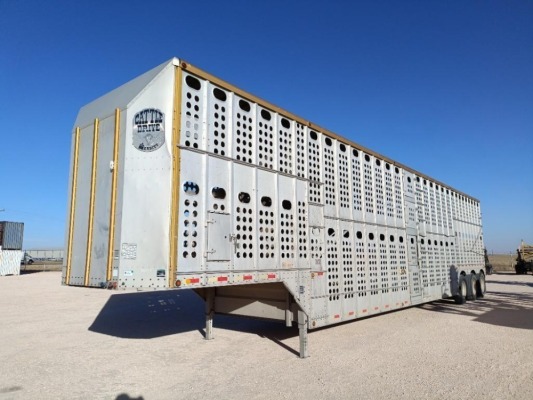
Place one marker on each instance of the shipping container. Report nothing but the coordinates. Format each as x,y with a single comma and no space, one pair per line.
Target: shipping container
11,235
181,180
10,262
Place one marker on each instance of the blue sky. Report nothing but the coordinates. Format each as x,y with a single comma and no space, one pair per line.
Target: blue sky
445,87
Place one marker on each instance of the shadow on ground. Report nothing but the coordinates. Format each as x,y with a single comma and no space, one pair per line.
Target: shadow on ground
161,313
514,310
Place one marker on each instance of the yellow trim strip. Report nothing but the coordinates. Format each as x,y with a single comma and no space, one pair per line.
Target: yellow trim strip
111,240
72,204
225,85
91,204
174,204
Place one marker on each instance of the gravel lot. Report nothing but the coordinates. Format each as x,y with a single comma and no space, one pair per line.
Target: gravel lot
61,342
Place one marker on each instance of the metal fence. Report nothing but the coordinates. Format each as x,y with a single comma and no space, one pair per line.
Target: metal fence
46,255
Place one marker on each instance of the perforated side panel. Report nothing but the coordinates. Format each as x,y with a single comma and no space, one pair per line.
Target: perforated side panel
297,198
301,150
285,146
315,168
266,140
368,176
330,189
357,185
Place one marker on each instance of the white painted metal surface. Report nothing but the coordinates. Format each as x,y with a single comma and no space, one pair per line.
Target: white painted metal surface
10,262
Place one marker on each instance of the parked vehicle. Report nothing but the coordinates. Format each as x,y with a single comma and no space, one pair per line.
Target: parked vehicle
181,180
524,259
26,259
488,265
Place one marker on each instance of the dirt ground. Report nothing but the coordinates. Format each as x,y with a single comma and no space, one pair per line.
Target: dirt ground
61,342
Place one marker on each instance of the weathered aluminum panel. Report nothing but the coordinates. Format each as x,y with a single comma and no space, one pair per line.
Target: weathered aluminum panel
100,240
81,218
11,235
347,269
288,226
144,201
267,193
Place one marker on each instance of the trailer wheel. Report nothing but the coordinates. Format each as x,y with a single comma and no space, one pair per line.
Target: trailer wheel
481,286
460,297
472,282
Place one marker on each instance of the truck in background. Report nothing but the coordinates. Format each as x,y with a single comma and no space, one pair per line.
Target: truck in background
524,259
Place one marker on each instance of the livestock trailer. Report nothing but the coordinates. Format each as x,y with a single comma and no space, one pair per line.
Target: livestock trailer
181,180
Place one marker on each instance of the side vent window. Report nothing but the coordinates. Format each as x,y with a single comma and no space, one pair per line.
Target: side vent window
244,197
219,94
191,188
218,193
266,201
193,83
244,105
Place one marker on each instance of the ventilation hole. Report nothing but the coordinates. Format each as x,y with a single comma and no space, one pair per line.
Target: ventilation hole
378,162
285,123
266,115
359,235
331,232
218,193
286,204
387,165
313,135
219,94
244,197
266,201
391,238
193,82
367,157
409,179
422,241
382,237
401,239
412,241
430,184
244,105
371,236
328,141
342,147
191,188
397,170
355,153
346,233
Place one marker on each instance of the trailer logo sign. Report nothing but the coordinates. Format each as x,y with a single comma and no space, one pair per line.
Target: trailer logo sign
148,129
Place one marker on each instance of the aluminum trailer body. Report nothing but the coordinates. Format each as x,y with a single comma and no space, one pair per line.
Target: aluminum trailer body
181,180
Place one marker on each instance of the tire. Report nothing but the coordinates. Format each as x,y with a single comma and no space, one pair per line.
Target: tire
460,297
30,262
481,286
472,282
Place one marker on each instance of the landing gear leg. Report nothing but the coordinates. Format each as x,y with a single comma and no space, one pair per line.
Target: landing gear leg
209,313
302,326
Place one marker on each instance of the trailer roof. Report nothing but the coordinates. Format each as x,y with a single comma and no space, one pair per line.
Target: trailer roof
120,97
